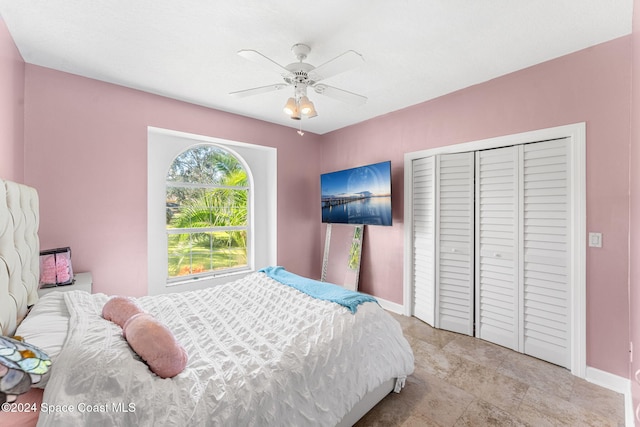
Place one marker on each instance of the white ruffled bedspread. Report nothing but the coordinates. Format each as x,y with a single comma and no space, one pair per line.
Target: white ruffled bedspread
260,354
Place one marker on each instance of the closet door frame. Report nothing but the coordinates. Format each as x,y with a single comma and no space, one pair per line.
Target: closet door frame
576,133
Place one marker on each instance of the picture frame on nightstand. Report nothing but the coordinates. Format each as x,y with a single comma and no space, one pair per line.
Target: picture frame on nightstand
55,267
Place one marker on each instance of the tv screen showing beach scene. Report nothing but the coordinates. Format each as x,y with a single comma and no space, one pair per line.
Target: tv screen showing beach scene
360,195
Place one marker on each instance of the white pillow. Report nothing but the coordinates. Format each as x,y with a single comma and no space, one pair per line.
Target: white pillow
46,327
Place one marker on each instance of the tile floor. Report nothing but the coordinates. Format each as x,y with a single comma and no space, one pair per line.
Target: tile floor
464,381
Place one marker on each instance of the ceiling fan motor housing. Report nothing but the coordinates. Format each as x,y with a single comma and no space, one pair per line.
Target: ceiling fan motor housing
299,73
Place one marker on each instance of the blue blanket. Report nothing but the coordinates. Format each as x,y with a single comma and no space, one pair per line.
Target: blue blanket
316,289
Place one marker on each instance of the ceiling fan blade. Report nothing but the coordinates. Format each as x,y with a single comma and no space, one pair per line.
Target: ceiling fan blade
348,60
340,94
258,90
257,57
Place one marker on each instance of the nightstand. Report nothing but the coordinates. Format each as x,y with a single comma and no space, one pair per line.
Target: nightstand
82,282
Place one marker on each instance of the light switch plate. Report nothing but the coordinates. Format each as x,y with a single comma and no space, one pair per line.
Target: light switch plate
595,240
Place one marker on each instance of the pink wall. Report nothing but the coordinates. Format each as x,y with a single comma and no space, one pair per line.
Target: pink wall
634,240
589,86
86,154
11,108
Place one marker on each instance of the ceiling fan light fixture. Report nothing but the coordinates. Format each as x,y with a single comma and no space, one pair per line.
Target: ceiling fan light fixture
291,107
305,105
312,112
296,113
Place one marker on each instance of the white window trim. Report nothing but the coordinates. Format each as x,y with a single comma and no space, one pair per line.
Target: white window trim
163,146
577,153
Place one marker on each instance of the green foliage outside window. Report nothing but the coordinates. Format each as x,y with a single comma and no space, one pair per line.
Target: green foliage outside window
206,211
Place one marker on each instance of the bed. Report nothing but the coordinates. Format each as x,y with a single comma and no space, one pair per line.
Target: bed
260,352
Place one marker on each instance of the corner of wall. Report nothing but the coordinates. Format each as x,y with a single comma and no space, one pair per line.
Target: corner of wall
634,214
12,87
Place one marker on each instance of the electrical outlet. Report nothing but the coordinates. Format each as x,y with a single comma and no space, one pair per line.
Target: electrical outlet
595,240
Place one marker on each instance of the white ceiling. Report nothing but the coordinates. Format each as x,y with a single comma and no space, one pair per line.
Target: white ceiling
414,50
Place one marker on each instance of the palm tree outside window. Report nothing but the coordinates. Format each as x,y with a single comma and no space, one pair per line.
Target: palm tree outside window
207,213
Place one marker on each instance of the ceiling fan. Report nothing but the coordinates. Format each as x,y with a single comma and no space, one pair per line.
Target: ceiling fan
302,75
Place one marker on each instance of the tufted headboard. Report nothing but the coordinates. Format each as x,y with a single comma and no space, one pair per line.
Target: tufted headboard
19,253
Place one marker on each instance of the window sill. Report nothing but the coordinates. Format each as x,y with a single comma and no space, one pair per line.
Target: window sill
211,277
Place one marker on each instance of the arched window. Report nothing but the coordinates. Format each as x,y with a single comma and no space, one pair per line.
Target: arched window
207,213
180,162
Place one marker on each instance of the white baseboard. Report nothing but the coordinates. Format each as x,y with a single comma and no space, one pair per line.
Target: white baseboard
391,306
617,384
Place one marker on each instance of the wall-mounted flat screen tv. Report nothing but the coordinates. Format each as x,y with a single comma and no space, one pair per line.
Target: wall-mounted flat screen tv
360,195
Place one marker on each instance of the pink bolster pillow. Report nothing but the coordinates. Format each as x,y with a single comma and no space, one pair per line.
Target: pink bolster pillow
155,344
120,309
147,336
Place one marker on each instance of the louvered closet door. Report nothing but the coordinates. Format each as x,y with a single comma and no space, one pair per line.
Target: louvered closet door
497,282
424,239
546,252
454,238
